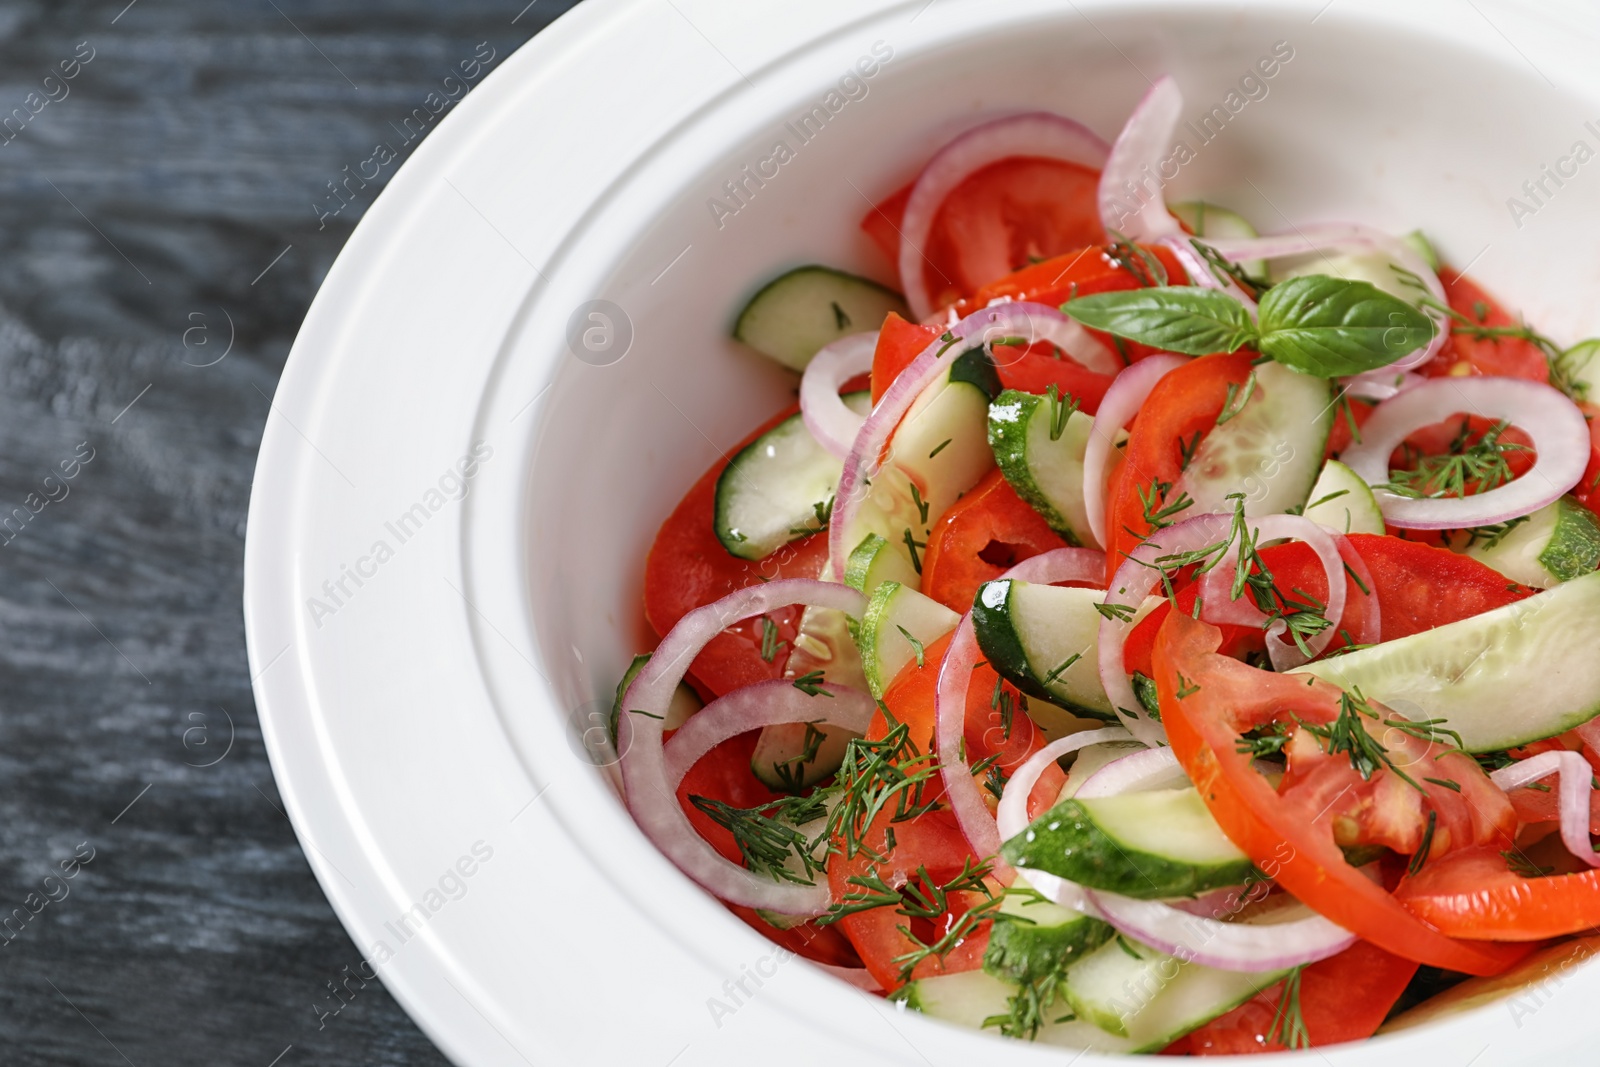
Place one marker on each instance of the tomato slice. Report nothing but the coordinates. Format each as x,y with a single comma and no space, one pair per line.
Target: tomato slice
1506,357
1342,998
1587,491
687,568
1474,894
1080,272
1422,586
882,224
979,538
1184,403
1291,831
899,342
1002,217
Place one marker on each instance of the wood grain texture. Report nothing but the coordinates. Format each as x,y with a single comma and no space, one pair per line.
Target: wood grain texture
139,207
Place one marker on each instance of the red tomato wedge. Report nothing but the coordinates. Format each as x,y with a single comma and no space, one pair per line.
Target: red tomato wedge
980,537
1294,828
688,568
1000,218
1184,403
1507,357
1474,894
1080,272
1342,998
899,342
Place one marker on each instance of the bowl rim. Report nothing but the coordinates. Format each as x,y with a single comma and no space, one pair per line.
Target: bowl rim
327,817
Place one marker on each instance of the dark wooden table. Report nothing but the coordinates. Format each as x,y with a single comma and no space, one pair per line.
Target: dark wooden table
164,186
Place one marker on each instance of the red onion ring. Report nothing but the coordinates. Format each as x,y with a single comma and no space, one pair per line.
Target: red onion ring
1559,431
751,707
1200,273
866,457
1216,587
1198,938
1134,165
1237,946
1118,407
1152,768
1577,781
832,424
955,678
643,760
1380,384
1012,817
1035,134
1320,237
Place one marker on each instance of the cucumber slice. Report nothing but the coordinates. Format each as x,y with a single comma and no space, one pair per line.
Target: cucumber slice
683,704
1033,938
938,452
778,488
897,625
969,997
1151,999
873,562
1041,455
1212,220
1271,451
1150,845
1342,500
796,314
1505,678
791,757
1044,639
1557,543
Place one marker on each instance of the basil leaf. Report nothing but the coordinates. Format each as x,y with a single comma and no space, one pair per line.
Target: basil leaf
1332,326
1195,322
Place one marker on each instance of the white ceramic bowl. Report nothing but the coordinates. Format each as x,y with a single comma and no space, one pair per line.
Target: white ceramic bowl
420,714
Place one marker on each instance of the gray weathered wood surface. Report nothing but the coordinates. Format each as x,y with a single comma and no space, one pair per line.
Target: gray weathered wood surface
142,203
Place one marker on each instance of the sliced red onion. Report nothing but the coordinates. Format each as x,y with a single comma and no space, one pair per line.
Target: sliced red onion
1380,384
1152,768
955,678
832,423
1049,324
1589,734
1559,431
651,801
1036,134
774,703
1121,403
1295,935
1012,818
1346,236
1577,781
866,456
1132,172
1217,604
1200,273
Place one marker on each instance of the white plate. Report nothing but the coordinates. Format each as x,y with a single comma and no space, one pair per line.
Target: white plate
427,710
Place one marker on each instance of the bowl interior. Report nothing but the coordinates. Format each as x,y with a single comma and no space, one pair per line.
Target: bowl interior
1361,120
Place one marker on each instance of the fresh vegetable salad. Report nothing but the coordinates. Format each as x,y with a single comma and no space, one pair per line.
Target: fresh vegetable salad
1143,634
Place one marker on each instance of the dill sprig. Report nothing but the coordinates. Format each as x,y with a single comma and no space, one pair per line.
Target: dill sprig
1145,268
889,774
1061,409
942,946
1288,1021
1028,1009
1468,467
769,837
1225,271
791,772
823,512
